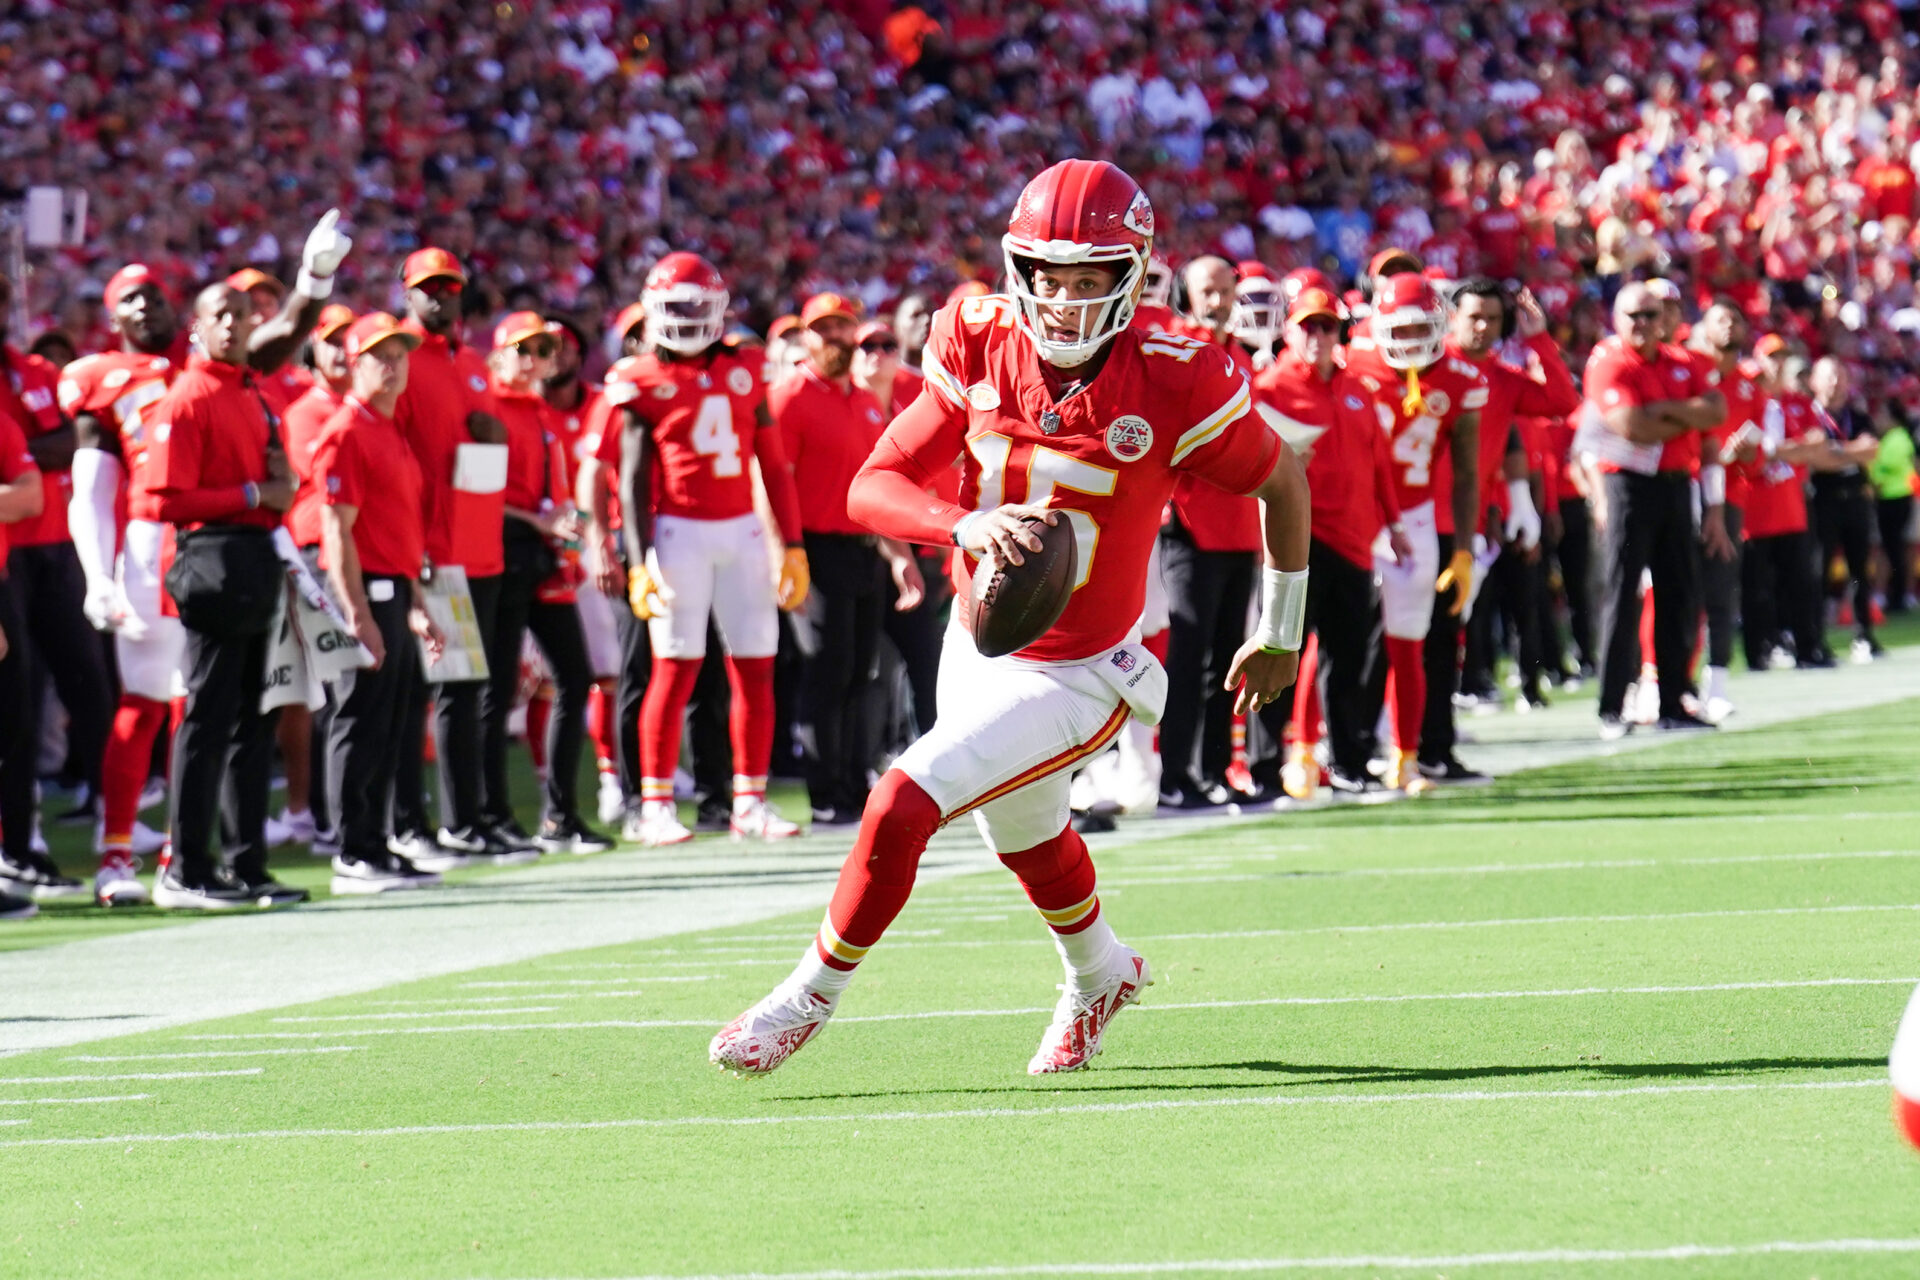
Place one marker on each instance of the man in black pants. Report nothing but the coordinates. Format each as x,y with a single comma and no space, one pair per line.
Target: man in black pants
1573,550
1842,512
1651,410
23,874
373,541
56,642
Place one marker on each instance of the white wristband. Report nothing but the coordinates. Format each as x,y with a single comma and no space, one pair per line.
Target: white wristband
308,285
1283,609
1713,485
959,534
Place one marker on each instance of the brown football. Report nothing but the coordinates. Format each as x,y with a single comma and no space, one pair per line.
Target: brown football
1014,605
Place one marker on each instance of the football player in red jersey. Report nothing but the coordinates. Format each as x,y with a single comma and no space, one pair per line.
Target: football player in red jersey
1156,295
1430,406
1059,411
1259,313
106,395
689,405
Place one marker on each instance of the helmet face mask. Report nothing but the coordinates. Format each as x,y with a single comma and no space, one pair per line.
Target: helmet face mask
1259,312
1157,289
1409,323
1079,213
685,303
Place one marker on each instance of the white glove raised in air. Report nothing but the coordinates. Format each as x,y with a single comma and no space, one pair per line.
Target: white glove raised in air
1523,521
327,247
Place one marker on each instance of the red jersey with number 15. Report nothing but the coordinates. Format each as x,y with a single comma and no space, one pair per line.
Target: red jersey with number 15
119,388
1417,435
1162,406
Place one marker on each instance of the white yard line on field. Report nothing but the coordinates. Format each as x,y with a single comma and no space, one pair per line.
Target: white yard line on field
138,1075
215,1053
402,1017
72,1102
1632,1092
585,982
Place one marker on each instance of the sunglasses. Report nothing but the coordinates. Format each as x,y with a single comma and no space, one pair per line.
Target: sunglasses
440,284
536,348
880,348
1320,324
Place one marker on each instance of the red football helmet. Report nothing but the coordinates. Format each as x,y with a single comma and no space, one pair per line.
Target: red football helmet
1259,307
1158,289
1409,321
1079,212
1301,279
685,302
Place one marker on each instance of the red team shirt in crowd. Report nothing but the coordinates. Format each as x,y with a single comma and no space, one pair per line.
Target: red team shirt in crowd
1512,396
1746,403
300,428
1161,406
444,385
529,455
1217,521
28,395
364,462
702,415
15,461
1419,438
209,441
1777,500
120,388
1617,376
827,434
1349,471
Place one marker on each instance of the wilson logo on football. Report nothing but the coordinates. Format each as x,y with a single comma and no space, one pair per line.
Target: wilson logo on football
1129,437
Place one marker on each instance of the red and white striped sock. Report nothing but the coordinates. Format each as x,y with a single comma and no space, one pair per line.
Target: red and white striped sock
1059,879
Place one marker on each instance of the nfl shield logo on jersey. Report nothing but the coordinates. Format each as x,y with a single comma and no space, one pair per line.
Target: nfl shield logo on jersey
1129,438
1123,660
1438,402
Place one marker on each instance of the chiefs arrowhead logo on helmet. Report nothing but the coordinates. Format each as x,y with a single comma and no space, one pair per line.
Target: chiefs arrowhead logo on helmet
1140,215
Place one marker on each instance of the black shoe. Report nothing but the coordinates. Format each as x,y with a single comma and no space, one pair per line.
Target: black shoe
13,908
1821,661
508,835
713,815
38,878
571,836
383,874
1613,727
266,892
1352,784
1192,795
1681,722
1449,769
831,817
213,894
1091,823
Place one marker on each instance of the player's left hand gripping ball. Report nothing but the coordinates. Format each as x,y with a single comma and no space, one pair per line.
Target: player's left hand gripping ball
1457,577
1905,1067
795,579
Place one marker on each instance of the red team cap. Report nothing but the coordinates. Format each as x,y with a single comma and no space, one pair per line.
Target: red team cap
334,317
374,328
629,319
133,276
826,306
426,264
1390,260
1311,303
517,328
247,279
1769,344
784,324
873,329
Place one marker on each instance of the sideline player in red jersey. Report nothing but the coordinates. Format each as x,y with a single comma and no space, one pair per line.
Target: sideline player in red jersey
1058,410
1155,310
1430,405
106,395
695,416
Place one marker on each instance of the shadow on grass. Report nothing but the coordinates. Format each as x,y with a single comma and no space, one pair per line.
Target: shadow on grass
1141,1079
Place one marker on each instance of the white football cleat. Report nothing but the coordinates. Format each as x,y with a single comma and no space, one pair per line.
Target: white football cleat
116,884
772,1031
755,819
1081,1017
612,800
659,825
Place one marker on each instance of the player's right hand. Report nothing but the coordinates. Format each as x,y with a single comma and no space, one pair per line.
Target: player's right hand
643,593
367,631
1002,532
103,605
276,494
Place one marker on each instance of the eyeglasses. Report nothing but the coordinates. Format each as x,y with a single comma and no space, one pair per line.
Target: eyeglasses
1320,324
536,348
1643,317
880,348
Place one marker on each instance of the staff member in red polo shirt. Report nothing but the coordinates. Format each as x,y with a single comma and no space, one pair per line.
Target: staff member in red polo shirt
213,463
23,873
1652,410
447,403
303,735
57,642
373,548
1305,393
829,426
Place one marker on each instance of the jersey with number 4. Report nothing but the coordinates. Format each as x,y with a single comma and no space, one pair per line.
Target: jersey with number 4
1162,406
1418,433
120,388
703,419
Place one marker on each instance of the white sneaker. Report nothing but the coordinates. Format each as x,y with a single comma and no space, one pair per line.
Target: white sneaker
299,825
115,883
1643,704
770,1032
658,824
755,819
613,799
278,832
1716,710
37,842
1861,652
1081,1017
351,876
153,793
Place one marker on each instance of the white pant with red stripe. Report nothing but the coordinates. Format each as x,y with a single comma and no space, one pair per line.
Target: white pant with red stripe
1009,736
716,568
1406,590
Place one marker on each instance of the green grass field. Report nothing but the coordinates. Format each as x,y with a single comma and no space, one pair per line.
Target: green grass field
1621,1018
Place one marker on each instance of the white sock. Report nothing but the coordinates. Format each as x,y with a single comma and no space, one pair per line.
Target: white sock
1716,682
1087,954
817,975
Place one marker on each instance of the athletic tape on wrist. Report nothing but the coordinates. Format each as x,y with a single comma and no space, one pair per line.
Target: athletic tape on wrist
959,534
1283,609
1713,485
